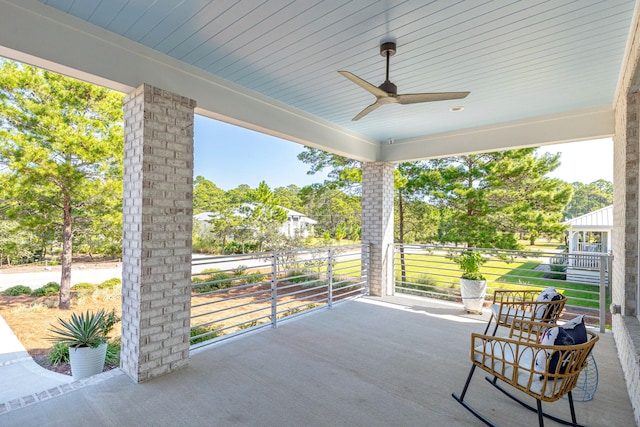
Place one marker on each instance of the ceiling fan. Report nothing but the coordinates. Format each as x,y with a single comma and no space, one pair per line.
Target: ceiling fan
387,92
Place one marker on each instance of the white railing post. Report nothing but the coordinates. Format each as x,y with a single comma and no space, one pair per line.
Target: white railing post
274,289
330,277
603,292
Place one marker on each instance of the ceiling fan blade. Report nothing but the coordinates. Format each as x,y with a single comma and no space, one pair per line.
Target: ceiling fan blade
366,111
414,98
376,91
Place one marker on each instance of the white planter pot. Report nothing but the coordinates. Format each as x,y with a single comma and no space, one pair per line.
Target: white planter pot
473,293
87,361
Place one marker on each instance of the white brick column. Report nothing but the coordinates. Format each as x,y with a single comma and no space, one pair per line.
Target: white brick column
377,224
157,223
626,221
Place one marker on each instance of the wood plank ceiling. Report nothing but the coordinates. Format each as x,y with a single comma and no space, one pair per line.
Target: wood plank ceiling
519,59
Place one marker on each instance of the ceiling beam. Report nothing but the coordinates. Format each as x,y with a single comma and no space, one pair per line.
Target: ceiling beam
45,37
578,125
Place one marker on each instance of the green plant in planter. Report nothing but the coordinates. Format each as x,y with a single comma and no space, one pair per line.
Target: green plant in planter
470,263
84,330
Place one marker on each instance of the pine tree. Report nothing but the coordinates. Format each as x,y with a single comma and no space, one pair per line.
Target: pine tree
61,145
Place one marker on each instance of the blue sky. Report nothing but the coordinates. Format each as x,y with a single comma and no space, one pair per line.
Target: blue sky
229,155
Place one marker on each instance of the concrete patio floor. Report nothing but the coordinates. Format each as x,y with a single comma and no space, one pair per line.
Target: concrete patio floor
370,362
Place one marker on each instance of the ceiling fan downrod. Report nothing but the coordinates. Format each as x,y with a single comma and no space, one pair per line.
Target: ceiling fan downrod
388,50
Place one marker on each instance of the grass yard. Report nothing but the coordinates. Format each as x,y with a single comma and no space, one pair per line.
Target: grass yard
437,270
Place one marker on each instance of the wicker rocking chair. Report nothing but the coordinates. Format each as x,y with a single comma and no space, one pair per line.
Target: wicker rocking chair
512,306
544,372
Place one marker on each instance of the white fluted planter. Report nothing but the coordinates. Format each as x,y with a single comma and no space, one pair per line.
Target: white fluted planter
87,361
473,293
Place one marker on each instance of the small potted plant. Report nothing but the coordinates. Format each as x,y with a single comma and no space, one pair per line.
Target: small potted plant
473,285
86,336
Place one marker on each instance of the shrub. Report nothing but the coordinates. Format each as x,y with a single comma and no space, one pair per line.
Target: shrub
83,286
51,288
558,264
561,271
113,353
240,270
110,283
248,325
210,331
301,276
58,354
470,262
85,330
254,278
17,290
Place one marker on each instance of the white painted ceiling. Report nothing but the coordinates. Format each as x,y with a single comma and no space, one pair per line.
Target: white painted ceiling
524,62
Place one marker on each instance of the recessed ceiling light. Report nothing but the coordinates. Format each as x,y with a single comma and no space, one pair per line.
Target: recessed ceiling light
456,109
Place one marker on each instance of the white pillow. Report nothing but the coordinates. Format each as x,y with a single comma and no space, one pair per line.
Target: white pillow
548,295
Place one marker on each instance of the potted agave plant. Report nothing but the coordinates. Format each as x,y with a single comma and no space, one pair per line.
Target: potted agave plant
86,336
473,285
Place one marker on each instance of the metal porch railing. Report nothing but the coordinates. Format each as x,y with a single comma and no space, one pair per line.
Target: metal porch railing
235,294
430,271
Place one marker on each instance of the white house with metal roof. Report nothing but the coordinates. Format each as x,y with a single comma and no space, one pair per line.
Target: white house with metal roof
297,224
591,232
589,239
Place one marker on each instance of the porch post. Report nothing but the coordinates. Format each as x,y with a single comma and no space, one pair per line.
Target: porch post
377,224
157,223
626,219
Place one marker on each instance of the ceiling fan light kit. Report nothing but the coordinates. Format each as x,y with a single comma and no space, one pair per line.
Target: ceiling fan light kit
387,92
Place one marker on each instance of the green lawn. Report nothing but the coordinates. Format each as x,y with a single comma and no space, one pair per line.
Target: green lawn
436,270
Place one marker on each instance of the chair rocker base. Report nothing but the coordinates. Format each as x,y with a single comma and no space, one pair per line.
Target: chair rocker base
473,410
494,382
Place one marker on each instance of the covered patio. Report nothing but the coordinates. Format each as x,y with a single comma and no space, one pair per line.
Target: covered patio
390,361
538,73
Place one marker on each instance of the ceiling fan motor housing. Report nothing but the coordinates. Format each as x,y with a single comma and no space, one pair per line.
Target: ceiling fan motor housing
389,47
389,87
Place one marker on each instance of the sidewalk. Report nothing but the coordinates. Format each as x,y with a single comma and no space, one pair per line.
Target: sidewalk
24,381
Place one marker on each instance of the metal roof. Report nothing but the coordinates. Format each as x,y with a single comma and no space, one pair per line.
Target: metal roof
596,220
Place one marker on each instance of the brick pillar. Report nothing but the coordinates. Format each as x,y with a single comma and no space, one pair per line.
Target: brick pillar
157,223
377,224
626,221
629,186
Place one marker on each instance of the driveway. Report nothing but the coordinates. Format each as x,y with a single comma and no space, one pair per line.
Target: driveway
79,274
97,273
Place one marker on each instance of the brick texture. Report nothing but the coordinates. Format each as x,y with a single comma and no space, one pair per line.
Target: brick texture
377,225
157,224
626,220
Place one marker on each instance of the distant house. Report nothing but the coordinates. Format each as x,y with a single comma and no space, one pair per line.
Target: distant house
591,232
297,224
589,238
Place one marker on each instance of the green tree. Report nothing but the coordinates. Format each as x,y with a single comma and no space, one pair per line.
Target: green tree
343,173
589,197
225,220
16,243
241,194
289,197
61,142
487,198
207,197
266,215
333,209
